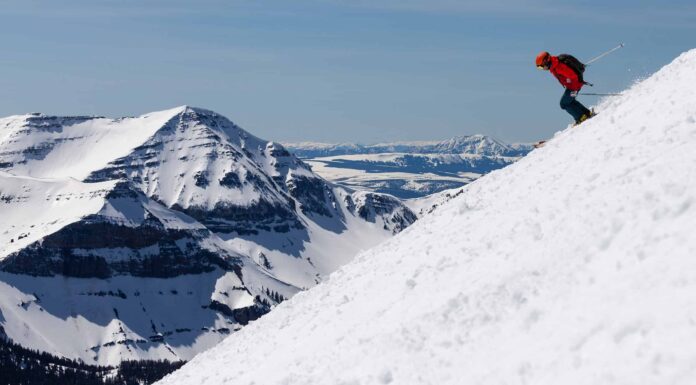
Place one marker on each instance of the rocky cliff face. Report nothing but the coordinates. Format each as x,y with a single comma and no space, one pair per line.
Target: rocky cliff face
129,235
382,207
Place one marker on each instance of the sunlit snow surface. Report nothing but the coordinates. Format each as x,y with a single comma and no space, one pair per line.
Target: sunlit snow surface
575,265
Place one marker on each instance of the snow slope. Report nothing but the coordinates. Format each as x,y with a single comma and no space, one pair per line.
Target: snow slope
574,265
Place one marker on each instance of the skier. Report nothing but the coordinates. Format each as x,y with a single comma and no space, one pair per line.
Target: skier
568,70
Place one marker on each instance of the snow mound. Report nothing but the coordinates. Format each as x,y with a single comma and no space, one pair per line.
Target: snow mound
574,265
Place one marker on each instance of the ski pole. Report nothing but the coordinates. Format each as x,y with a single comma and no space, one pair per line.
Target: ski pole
595,94
605,54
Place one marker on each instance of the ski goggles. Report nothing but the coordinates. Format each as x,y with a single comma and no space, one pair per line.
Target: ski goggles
545,64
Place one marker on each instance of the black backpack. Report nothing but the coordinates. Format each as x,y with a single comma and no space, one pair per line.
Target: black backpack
574,64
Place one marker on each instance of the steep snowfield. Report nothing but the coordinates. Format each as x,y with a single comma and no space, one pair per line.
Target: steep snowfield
574,265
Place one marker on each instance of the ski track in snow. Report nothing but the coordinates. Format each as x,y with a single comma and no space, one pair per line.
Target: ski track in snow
574,265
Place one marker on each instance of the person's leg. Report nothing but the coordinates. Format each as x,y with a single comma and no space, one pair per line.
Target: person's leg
572,106
580,108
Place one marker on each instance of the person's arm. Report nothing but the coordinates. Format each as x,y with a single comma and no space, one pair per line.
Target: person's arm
568,78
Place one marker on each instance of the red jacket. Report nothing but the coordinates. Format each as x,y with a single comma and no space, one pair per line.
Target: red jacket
565,75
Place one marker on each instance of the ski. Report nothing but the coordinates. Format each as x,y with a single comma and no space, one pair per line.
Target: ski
542,143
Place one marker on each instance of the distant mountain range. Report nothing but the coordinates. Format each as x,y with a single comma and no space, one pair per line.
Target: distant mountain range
467,144
409,169
155,237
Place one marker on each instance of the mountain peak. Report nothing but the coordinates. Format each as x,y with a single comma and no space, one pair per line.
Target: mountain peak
186,109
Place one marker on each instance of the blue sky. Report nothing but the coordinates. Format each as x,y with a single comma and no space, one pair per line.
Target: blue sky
330,70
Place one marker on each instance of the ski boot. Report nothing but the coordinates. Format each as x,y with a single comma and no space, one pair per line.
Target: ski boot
585,117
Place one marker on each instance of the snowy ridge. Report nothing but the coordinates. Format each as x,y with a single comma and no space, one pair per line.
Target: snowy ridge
55,147
197,150
574,265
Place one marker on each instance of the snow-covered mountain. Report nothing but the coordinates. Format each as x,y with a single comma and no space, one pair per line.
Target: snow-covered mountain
409,169
465,144
574,265
155,237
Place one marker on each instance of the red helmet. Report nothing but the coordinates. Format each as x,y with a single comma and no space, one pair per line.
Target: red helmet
542,59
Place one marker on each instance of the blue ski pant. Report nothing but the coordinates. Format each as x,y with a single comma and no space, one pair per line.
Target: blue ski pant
572,106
